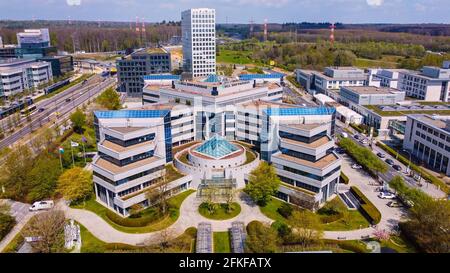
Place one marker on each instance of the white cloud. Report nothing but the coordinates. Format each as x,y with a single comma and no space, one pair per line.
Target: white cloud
73,2
374,3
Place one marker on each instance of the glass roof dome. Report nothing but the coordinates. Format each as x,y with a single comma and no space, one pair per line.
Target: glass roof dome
217,147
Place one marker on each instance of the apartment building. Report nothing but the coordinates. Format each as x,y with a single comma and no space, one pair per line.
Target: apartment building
198,29
18,75
427,138
132,69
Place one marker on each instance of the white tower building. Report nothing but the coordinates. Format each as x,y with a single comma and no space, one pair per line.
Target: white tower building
198,28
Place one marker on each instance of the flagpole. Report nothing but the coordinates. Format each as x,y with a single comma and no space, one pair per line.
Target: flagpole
84,151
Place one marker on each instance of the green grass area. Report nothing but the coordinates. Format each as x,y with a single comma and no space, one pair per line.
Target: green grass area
235,57
172,174
54,93
174,203
250,156
365,63
399,244
352,219
222,242
15,243
220,212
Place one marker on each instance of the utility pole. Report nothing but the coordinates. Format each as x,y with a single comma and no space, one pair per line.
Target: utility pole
332,28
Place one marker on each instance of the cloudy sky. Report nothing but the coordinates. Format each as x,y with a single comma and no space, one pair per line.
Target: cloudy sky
236,11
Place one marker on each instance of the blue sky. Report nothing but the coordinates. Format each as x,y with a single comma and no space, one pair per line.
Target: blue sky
236,11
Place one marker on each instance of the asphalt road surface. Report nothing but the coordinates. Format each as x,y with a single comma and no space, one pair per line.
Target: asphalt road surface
62,103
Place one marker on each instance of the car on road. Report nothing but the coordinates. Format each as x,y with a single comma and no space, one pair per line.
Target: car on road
397,168
386,195
364,141
356,166
389,161
356,136
394,204
340,151
68,99
344,135
41,110
42,205
381,155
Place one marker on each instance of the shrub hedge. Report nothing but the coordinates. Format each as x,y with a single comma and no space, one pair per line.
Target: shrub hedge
367,208
344,178
352,246
285,210
7,222
132,222
326,219
424,174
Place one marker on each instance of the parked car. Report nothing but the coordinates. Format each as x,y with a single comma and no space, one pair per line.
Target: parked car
381,155
364,141
356,136
68,99
389,161
42,205
340,151
356,166
386,195
344,135
397,168
394,204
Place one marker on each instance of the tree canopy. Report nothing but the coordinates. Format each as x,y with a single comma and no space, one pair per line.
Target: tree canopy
261,238
78,119
263,183
109,99
363,156
75,184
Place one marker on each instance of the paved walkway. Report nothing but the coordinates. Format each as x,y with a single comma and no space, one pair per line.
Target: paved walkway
189,217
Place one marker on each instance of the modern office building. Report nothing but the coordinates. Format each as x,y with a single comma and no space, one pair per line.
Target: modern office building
132,69
8,52
370,95
19,75
34,38
427,138
198,29
60,64
204,128
429,84
331,80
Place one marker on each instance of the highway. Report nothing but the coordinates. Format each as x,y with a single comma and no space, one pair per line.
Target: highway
62,103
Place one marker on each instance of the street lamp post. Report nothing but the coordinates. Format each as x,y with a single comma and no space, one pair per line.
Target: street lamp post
409,162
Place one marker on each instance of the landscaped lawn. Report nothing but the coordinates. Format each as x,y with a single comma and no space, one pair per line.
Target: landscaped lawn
399,244
235,57
222,242
220,212
174,202
353,219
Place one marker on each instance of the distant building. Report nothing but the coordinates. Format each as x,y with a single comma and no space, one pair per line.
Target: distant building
427,138
429,84
19,75
34,43
60,64
331,80
198,28
8,52
370,95
132,69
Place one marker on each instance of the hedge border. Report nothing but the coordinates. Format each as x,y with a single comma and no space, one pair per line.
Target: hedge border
344,178
426,175
367,208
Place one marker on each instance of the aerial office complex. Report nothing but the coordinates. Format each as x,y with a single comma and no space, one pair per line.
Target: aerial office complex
198,29
132,69
427,138
34,43
19,75
204,127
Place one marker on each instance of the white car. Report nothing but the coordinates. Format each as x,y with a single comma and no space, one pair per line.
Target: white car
344,135
42,205
356,166
386,195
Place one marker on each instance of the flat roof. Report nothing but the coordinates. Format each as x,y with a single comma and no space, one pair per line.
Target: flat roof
315,144
320,164
125,130
307,127
256,104
117,148
104,164
435,121
368,90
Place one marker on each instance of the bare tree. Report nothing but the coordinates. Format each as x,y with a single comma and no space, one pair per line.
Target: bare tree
158,194
48,228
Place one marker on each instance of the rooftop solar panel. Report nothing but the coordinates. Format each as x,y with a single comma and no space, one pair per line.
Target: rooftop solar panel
131,114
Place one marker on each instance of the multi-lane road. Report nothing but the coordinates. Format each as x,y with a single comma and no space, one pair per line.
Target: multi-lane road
58,107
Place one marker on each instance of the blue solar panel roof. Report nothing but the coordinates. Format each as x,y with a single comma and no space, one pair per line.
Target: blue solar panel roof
162,77
300,111
260,76
131,114
217,147
212,78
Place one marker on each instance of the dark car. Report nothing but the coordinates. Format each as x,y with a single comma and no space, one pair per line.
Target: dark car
68,100
340,151
381,155
41,110
389,161
356,136
397,168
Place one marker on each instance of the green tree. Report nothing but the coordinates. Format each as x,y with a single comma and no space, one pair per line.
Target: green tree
49,227
7,222
307,227
263,183
261,238
43,177
109,99
429,226
75,184
344,58
78,119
